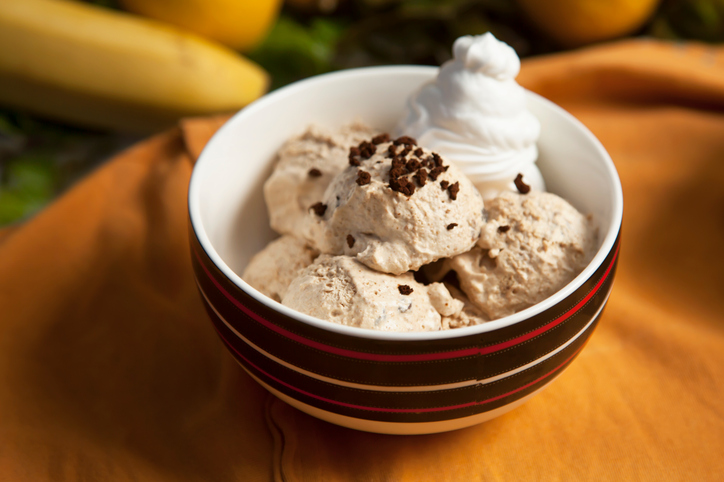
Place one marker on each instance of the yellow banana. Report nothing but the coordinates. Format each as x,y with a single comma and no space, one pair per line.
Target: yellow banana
240,24
100,68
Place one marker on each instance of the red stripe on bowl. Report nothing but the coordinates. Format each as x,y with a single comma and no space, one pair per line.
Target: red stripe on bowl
410,357
399,410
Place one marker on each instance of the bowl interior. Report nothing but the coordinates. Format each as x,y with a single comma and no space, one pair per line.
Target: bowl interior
226,203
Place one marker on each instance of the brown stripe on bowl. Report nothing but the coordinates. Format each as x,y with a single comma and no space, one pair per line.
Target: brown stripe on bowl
396,363
402,406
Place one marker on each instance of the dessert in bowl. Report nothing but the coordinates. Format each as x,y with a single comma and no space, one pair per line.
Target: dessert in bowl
385,381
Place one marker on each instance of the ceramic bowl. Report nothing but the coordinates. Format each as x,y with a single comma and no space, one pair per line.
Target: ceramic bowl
398,383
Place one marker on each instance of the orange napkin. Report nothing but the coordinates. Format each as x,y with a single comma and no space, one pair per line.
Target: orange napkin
110,371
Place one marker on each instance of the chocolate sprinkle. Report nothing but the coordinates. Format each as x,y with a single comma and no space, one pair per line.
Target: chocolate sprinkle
407,140
503,229
397,171
454,189
421,177
402,185
437,159
404,290
436,171
363,178
367,149
319,208
381,138
350,240
451,225
522,187
314,172
412,165
444,184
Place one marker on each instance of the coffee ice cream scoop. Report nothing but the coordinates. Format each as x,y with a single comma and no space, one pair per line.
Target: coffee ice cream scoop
342,290
397,207
531,246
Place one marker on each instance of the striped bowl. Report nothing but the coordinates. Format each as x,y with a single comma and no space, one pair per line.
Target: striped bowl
398,383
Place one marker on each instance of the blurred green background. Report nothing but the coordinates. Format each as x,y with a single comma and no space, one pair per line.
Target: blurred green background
39,158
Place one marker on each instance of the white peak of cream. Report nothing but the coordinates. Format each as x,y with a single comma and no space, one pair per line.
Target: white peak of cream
474,114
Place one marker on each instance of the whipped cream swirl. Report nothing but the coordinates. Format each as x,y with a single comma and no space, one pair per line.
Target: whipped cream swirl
474,113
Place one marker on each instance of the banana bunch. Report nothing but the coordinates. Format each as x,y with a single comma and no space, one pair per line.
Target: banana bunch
101,68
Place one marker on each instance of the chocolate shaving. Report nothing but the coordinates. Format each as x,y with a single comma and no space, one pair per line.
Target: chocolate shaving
396,172
407,140
454,189
398,162
436,171
412,165
319,208
503,229
421,177
391,150
436,159
444,184
314,172
402,185
363,178
451,225
522,187
367,149
405,290
406,150
350,240
418,152
379,139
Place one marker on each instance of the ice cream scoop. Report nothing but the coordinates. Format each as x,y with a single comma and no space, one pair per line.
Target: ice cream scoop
398,206
272,269
305,166
531,246
342,290
474,113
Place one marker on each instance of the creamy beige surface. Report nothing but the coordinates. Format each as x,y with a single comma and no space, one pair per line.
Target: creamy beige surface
291,190
272,269
393,232
531,246
468,315
342,290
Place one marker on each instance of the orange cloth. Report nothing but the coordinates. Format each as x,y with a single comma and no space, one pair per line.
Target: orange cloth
110,371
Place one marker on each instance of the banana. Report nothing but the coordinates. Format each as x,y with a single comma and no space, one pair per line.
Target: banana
239,24
105,69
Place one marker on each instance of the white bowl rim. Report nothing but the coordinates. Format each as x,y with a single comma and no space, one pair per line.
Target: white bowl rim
276,96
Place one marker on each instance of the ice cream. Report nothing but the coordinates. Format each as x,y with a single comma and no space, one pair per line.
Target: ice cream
272,269
469,315
397,207
458,191
530,247
304,167
474,114
342,290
